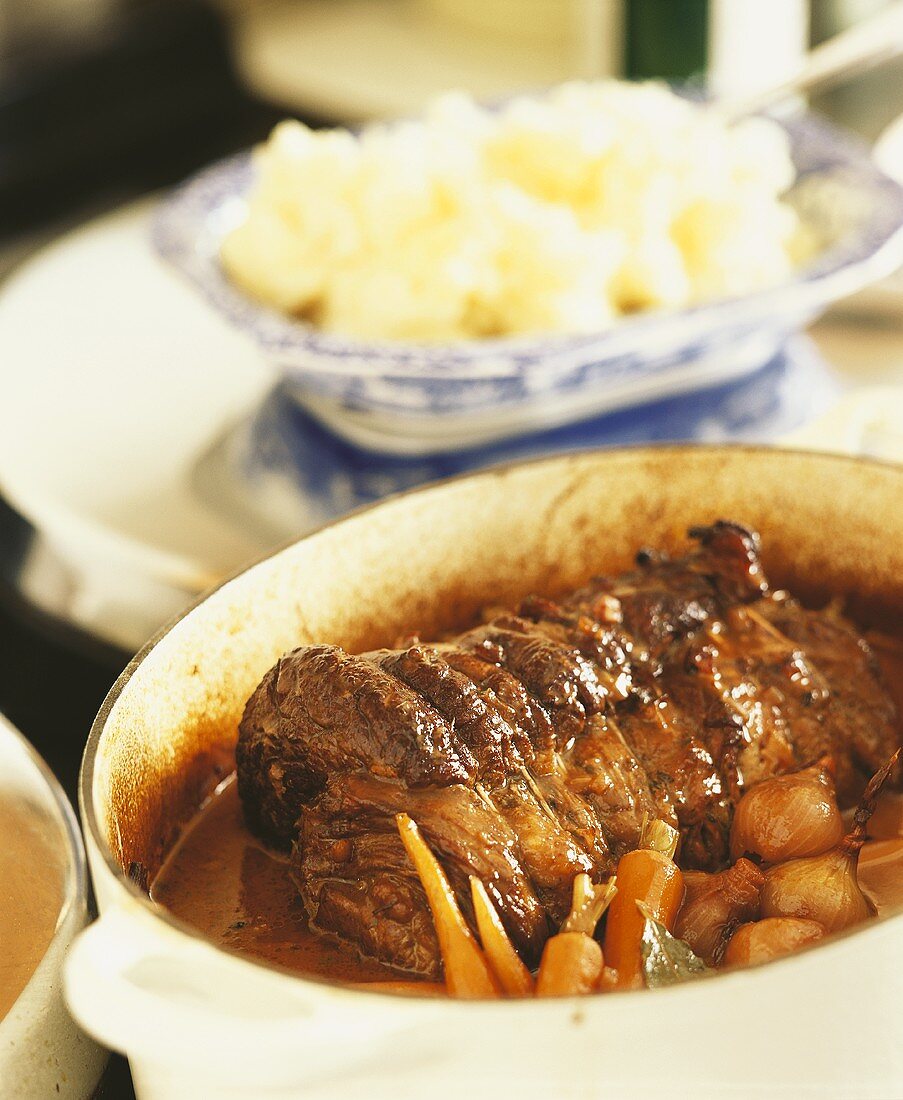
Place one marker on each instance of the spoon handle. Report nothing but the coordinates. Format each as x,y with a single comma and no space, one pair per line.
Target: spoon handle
861,47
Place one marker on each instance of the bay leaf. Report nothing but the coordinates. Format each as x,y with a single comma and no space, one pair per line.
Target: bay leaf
666,959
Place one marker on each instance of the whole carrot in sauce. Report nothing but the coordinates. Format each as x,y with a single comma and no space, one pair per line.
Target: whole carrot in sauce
572,961
648,875
501,954
467,973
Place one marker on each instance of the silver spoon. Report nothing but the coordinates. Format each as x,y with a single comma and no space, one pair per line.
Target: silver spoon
867,44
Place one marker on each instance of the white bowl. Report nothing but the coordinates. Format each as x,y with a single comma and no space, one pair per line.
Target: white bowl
414,399
43,1052
198,1021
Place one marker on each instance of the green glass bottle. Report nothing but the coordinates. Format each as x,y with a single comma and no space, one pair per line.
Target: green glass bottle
666,39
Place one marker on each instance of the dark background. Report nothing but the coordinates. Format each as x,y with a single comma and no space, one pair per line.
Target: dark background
85,125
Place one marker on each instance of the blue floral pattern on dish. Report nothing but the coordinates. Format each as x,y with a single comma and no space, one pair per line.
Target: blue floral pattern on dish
285,472
418,399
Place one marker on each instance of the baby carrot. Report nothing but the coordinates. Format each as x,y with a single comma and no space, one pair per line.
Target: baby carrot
572,961
514,978
467,973
647,875
571,965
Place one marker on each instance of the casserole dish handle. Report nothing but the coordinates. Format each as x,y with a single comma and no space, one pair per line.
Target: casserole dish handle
142,987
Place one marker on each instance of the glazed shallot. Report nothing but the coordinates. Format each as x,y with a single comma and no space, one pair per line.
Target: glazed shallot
825,888
715,905
770,939
788,817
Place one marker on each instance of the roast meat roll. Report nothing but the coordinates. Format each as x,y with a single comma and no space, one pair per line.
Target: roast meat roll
534,745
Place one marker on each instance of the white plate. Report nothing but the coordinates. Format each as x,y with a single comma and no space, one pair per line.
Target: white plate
115,381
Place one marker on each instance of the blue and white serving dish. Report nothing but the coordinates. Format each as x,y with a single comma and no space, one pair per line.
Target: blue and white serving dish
284,473
410,399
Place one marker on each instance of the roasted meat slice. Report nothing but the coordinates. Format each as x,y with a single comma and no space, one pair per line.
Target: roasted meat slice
762,701
862,726
665,599
320,711
576,814
679,766
555,674
550,852
524,713
357,883
603,769
355,879
602,644
483,726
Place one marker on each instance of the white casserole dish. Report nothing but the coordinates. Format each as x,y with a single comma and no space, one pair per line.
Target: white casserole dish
197,1021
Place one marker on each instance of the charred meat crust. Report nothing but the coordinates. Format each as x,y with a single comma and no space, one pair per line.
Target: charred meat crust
320,711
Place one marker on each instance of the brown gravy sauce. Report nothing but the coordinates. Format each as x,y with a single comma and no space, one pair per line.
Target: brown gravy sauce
221,880
32,877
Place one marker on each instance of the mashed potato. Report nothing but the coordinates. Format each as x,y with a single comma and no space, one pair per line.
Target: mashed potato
554,214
